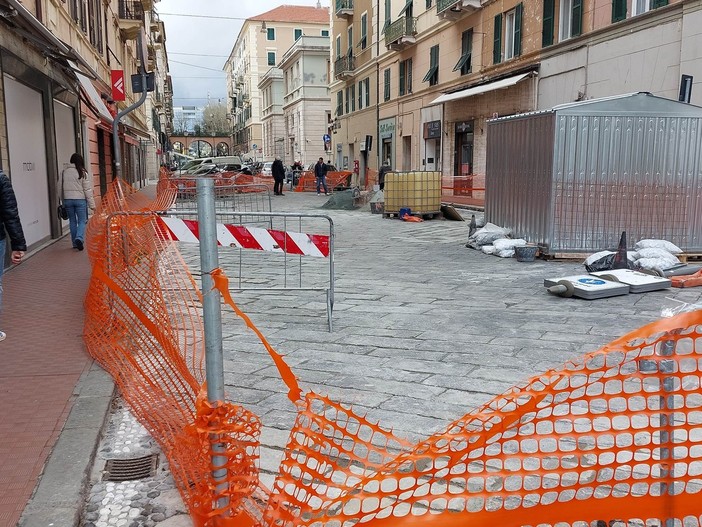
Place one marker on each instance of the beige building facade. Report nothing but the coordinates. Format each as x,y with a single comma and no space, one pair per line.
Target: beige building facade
260,45
272,122
444,68
306,104
56,99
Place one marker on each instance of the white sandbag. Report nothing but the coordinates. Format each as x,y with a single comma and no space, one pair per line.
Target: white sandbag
653,252
505,253
488,234
659,244
488,249
504,244
596,256
656,264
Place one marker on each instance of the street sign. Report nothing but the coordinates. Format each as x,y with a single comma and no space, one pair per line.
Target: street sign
326,138
118,93
254,146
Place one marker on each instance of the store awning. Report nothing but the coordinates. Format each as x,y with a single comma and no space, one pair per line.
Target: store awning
484,88
93,97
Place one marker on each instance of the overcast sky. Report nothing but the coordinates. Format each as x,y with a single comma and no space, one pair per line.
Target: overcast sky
200,36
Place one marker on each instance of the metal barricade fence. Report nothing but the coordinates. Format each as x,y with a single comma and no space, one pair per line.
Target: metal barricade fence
252,245
228,198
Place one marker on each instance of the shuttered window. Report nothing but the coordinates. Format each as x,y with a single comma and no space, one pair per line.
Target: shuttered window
618,10
548,23
386,85
576,22
497,41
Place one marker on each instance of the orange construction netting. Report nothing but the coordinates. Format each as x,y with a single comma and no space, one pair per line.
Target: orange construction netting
308,181
615,436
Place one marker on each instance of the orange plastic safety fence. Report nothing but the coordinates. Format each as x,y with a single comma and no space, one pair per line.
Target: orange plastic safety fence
615,436
308,181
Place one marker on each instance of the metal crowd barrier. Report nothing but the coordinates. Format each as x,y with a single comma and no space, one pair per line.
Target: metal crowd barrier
240,198
263,270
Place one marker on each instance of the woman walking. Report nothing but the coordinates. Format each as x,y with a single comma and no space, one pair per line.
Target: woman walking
77,190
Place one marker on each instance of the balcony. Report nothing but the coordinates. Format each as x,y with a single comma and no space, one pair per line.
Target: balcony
344,8
131,18
454,9
401,33
344,66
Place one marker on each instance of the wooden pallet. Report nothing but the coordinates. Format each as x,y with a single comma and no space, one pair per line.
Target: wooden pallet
423,215
690,257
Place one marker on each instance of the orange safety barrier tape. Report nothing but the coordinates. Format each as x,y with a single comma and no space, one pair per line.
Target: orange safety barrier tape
615,436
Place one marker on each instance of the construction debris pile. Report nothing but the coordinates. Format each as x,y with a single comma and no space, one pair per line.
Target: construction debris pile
650,255
492,239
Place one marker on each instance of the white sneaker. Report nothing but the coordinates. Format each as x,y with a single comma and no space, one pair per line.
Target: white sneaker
3,335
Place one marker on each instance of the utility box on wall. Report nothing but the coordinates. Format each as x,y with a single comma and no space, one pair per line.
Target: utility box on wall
573,178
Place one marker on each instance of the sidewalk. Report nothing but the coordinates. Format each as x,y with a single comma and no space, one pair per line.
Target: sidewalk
53,398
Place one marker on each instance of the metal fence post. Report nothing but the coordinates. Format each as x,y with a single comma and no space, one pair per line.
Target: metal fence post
212,315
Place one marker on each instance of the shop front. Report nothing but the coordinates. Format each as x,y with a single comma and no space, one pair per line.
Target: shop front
386,133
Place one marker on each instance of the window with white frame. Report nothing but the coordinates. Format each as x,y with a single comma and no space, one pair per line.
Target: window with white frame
566,20
640,6
510,19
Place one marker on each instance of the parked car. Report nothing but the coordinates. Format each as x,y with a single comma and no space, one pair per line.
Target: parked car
267,169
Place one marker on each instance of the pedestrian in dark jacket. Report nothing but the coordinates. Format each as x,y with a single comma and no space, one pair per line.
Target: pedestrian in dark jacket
278,171
11,226
381,174
320,172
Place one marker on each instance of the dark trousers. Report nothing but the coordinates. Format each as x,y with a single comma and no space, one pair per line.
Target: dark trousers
278,186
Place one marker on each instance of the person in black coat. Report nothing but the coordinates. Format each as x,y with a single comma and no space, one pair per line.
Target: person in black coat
320,172
381,174
278,171
11,226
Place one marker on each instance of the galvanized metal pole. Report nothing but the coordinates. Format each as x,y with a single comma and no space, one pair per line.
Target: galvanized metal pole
212,315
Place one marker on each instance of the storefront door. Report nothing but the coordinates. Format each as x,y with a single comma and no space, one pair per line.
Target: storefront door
463,163
28,166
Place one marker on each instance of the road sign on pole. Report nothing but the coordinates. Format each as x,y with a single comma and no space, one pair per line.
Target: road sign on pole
118,85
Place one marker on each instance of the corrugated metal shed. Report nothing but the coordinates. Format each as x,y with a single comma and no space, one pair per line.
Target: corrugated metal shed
572,178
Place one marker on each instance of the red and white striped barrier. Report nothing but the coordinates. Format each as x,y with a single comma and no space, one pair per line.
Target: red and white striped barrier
187,231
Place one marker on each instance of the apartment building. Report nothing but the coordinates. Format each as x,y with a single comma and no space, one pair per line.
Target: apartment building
445,67
272,121
306,104
354,87
55,98
260,45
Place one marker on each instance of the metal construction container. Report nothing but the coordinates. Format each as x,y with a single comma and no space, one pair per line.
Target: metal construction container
573,178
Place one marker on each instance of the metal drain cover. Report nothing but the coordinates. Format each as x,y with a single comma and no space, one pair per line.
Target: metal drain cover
128,469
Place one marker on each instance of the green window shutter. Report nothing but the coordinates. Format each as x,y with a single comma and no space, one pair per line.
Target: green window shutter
655,4
547,31
409,75
576,22
618,10
386,91
402,77
497,43
518,29
367,93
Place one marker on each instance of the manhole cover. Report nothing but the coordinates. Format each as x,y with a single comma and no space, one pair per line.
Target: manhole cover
128,469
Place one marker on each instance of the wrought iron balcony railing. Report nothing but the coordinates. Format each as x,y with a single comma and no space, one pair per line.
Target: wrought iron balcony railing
344,66
344,8
399,29
131,10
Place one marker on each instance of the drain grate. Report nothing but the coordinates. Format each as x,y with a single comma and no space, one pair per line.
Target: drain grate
128,469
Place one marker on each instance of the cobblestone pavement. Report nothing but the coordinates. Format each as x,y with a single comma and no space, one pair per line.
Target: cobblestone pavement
424,328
